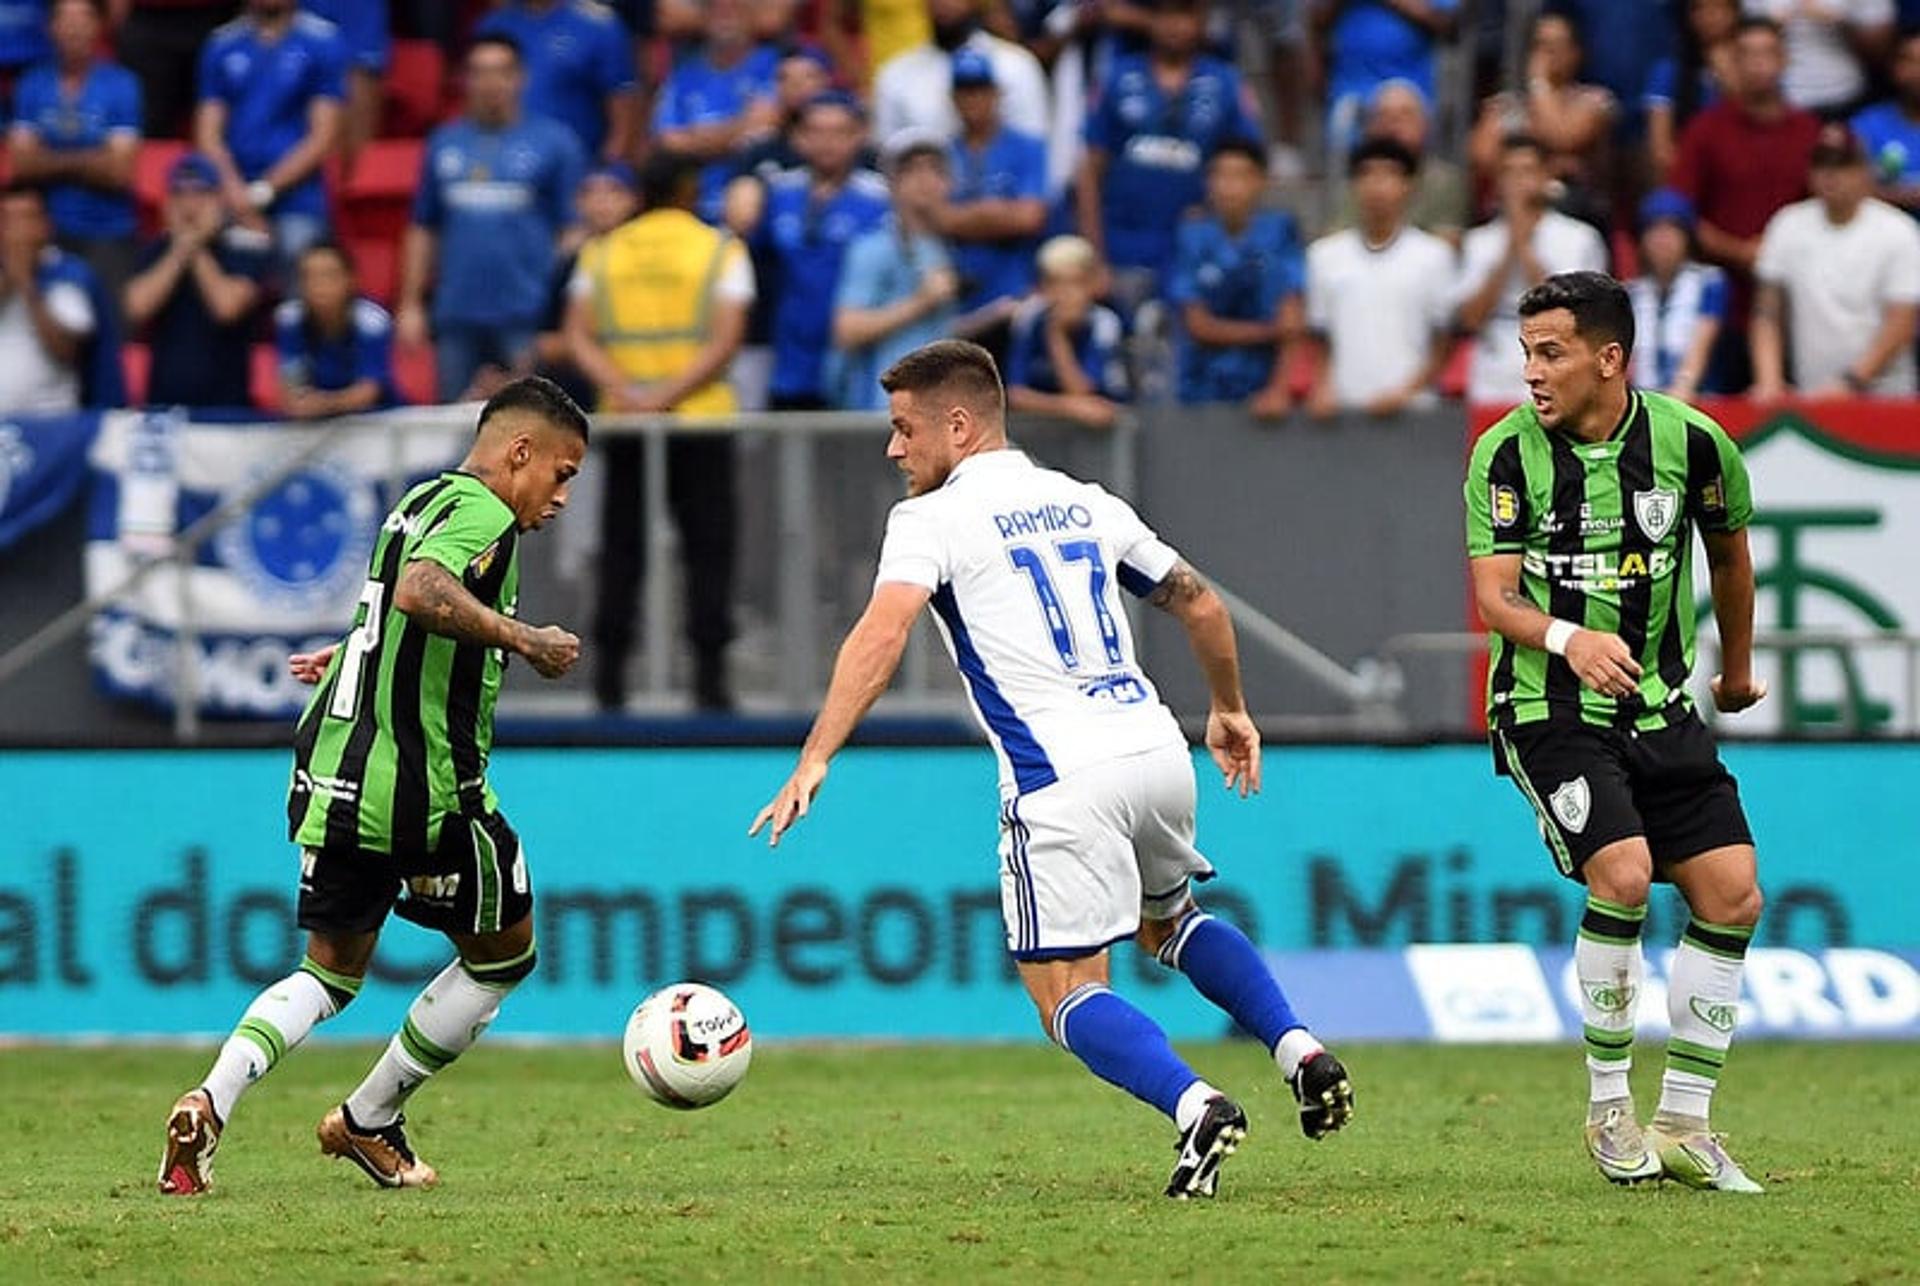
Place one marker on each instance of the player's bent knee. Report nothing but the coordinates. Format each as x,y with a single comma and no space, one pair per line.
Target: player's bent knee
1744,909
1154,934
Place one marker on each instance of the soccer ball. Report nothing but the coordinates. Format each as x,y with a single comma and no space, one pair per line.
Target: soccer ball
687,1046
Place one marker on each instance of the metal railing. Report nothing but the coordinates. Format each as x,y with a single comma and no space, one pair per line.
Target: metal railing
801,631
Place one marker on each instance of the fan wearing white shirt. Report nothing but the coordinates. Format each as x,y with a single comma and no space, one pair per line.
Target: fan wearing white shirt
1378,294
914,90
1840,274
1022,567
1502,260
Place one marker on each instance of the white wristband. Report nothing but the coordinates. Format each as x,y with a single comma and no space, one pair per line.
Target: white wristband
260,194
1559,632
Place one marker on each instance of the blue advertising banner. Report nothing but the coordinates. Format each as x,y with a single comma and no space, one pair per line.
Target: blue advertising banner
151,893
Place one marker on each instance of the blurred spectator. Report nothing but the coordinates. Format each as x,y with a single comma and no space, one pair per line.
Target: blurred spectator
76,131
579,68
496,196
1698,75
1890,131
271,82
1679,306
160,43
915,89
1377,294
1833,49
1622,42
803,220
897,287
335,345
999,201
1066,357
608,196
803,74
1370,42
719,100
866,35
364,30
23,36
1237,281
1440,202
1841,273
1569,119
659,308
195,294
1527,242
1159,117
47,312
1740,160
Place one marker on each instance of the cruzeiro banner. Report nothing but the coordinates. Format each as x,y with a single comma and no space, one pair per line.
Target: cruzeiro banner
42,467
283,575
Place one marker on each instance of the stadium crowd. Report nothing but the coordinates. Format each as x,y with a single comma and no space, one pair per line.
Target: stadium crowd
242,192
710,205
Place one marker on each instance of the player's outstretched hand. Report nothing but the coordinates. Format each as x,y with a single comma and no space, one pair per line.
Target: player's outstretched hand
1732,698
550,650
310,667
1234,743
1603,663
790,804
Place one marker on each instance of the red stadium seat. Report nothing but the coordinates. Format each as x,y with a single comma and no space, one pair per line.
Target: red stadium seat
150,168
377,267
136,363
373,204
413,373
263,378
414,94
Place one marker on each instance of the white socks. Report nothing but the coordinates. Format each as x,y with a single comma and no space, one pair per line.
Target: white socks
1607,960
444,1020
1703,1004
278,1019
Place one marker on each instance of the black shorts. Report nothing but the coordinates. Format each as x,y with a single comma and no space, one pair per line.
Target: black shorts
1591,786
474,882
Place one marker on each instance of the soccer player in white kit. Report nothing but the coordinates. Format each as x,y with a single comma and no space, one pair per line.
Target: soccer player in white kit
1022,567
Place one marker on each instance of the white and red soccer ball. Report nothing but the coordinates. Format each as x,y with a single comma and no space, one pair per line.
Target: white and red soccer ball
687,1046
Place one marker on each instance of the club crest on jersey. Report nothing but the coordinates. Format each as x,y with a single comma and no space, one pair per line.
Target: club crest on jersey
1655,511
1572,804
1506,506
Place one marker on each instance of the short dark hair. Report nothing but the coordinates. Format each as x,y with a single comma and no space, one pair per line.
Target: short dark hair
959,365
1754,22
1378,147
669,178
1240,147
543,398
1602,313
1521,141
326,246
502,40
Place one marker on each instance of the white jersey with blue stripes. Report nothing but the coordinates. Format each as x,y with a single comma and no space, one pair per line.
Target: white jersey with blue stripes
1026,566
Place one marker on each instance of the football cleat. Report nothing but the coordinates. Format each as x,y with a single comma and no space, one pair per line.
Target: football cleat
1619,1148
1325,1095
1695,1156
193,1132
1204,1145
382,1153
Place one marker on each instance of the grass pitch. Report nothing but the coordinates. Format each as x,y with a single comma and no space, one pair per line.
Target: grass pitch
956,1164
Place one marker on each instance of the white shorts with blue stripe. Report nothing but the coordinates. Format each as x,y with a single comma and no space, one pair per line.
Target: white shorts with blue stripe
1084,859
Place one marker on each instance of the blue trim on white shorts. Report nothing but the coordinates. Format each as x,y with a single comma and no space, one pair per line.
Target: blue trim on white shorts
1070,953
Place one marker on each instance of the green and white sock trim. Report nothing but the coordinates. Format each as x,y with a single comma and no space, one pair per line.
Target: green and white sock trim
341,988
1727,941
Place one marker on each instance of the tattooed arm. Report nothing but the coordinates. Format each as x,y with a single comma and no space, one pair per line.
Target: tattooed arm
434,599
1232,738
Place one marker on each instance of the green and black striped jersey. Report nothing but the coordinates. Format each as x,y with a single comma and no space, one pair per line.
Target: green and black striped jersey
1605,531
397,734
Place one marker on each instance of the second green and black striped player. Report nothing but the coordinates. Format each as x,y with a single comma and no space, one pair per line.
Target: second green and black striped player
1606,534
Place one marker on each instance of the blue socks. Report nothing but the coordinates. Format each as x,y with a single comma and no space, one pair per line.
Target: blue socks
1122,1046
1227,969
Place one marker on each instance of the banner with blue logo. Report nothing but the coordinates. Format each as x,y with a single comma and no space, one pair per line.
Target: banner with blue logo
151,893
281,577
43,465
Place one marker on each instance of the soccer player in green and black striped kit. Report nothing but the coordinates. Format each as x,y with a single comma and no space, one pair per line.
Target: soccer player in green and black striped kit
1581,509
390,802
